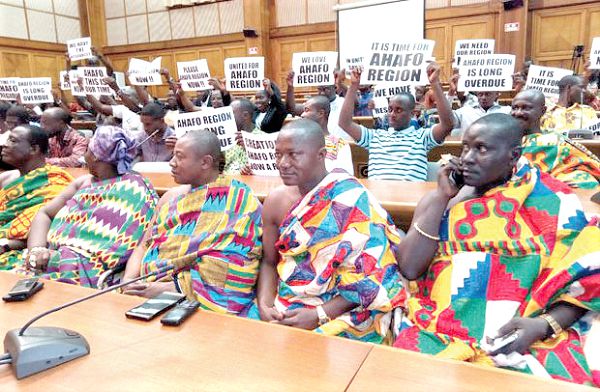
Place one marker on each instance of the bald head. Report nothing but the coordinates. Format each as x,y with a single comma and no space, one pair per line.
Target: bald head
304,131
204,142
55,121
501,129
320,102
527,108
58,114
406,100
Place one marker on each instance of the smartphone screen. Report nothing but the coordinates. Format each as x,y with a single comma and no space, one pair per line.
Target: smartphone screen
155,306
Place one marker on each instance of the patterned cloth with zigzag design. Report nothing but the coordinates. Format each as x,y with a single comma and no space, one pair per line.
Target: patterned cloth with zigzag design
217,228
21,199
513,252
98,228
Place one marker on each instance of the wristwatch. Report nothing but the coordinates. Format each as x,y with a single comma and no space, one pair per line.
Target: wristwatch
323,317
554,325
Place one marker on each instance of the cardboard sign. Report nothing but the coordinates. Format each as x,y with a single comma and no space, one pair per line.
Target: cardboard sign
351,63
219,121
63,79
546,79
80,48
9,89
382,94
595,126
194,75
314,68
120,79
76,91
471,48
144,73
492,72
595,54
244,73
398,62
35,90
260,149
92,81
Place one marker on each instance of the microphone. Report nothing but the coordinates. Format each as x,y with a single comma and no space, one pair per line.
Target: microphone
33,350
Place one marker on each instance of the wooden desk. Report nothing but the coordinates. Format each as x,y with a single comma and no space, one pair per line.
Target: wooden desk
209,352
78,124
388,369
213,352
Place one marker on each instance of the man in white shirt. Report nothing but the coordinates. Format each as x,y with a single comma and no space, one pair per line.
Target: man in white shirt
468,114
338,150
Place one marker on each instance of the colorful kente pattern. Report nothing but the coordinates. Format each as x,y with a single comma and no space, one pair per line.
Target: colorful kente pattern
217,228
513,252
20,201
333,145
98,228
563,159
338,240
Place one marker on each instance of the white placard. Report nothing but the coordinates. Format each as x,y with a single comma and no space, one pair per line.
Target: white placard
9,89
595,126
398,62
546,79
63,80
35,90
92,81
260,149
492,72
76,90
382,94
351,63
80,48
144,73
219,121
120,79
464,48
244,73
595,54
194,75
314,68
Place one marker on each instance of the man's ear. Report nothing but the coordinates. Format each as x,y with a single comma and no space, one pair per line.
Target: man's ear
515,154
544,108
206,162
322,153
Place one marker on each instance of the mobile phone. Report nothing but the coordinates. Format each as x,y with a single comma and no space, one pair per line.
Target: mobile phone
504,341
180,312
457,178
25,287
155,306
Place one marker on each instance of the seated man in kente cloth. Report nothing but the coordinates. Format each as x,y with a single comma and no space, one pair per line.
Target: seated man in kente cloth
509,253
328,262
25,190
211,221
552,152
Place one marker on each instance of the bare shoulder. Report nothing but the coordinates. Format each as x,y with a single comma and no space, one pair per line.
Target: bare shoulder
8,176
279,201
172,193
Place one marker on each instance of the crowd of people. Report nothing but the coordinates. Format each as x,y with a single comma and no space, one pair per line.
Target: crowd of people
501,247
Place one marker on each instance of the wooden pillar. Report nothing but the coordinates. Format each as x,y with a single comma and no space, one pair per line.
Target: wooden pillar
93,22
256,17
514,42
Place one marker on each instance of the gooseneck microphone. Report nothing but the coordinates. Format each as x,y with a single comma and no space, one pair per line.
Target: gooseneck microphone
35,349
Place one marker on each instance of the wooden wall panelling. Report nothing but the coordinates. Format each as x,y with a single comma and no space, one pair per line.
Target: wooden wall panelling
555,31
438,32
16,64
45,65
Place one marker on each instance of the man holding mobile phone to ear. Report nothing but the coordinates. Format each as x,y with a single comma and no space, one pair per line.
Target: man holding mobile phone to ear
506,264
